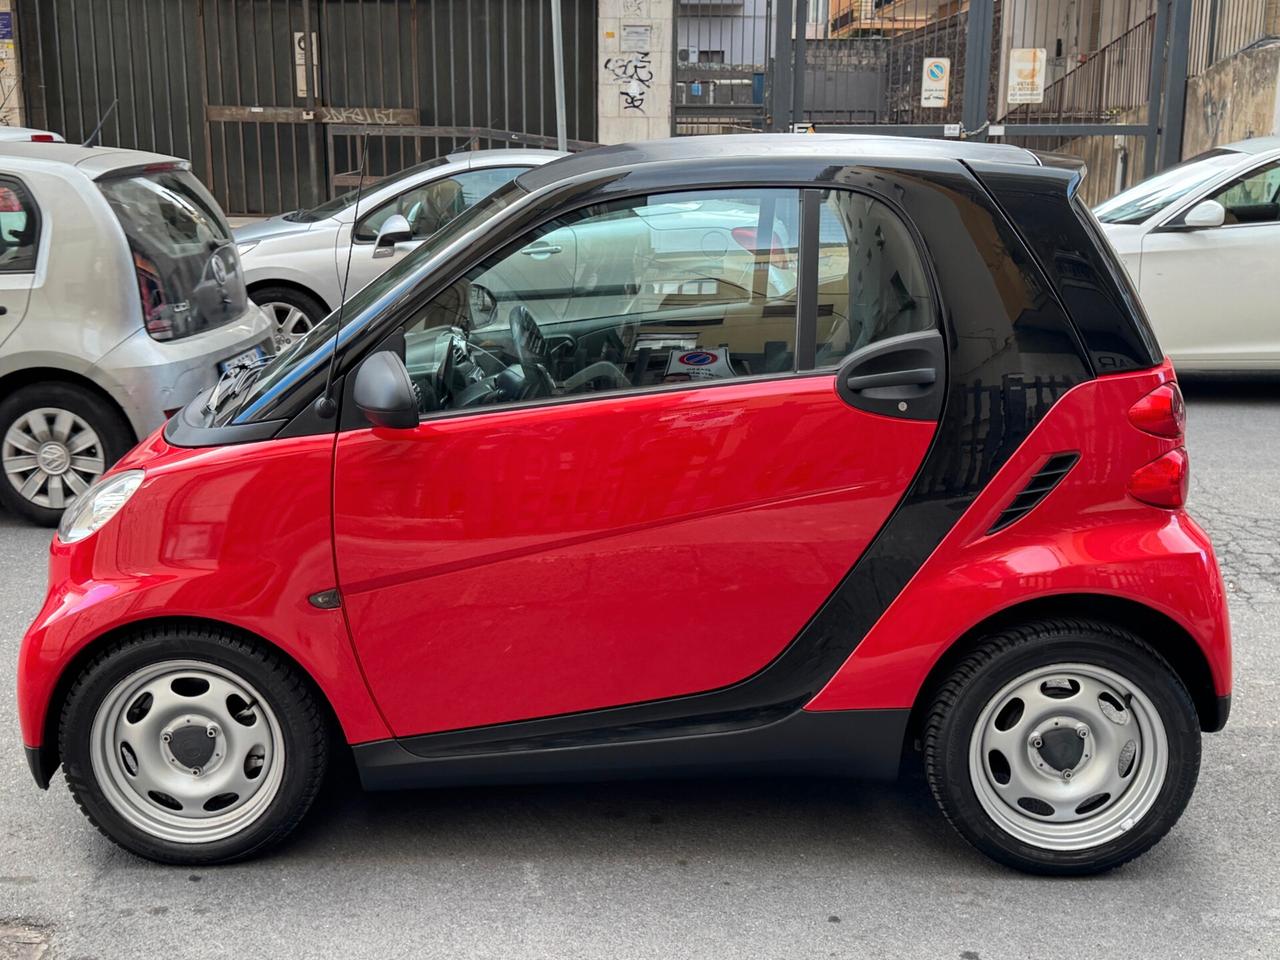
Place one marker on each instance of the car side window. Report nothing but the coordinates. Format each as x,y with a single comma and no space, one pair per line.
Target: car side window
19,228
1253,198
429,206
680,288
871,282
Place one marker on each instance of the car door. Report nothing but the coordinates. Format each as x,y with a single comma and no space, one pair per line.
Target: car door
668,515
427,205
1210,292
19,236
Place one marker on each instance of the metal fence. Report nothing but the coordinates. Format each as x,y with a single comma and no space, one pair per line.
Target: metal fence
1223,27
722,55
235,86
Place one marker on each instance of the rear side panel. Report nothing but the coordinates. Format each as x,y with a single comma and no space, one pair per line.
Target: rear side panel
1086,537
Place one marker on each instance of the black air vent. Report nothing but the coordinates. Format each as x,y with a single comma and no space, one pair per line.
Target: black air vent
1037,488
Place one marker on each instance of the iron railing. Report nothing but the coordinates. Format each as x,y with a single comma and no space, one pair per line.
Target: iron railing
1111,81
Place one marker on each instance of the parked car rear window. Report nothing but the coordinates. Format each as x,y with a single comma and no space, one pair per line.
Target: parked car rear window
187,268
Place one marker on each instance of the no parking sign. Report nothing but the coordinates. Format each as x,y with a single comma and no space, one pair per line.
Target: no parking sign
935,83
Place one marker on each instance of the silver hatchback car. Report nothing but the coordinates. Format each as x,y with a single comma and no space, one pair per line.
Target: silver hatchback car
121,298
295,264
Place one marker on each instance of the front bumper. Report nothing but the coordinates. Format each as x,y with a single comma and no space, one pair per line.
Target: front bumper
148,377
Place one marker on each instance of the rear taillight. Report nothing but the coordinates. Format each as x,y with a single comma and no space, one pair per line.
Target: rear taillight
42,138
1161,412
1163,481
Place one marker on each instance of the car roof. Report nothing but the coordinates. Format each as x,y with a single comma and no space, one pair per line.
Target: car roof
93,162
840,147
502,153
1254,145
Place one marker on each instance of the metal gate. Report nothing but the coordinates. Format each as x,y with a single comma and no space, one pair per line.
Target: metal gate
1105,79
267,97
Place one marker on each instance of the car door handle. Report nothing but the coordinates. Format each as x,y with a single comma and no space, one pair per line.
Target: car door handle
542,250
918,377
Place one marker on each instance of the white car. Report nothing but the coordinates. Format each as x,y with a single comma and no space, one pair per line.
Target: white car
1201,240
120,299
294,263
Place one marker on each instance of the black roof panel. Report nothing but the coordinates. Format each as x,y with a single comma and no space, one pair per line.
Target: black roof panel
845,148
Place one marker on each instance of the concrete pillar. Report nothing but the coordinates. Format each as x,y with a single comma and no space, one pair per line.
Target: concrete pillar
634,81
10,72
1271,18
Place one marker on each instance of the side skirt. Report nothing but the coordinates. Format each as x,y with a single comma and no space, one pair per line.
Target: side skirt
854,743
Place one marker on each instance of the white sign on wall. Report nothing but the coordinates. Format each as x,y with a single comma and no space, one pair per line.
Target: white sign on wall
935,82
1026,75
300,64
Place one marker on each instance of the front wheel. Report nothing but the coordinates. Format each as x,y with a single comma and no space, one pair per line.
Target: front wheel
189,746
55,440
1062,747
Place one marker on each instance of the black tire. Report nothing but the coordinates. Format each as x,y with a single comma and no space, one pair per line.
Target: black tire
302,723
1002,658
310,305
112,429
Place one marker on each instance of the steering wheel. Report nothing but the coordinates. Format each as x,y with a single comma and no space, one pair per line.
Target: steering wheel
531,358
442,382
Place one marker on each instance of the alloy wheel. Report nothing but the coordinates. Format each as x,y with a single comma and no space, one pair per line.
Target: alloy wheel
1068,756
187,751
51,456
290,323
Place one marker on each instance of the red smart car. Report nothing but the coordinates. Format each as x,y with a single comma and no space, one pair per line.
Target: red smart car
750,454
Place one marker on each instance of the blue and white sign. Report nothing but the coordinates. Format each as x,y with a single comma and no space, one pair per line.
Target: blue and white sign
935,84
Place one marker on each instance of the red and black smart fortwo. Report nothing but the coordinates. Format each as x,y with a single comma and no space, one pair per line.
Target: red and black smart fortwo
754,454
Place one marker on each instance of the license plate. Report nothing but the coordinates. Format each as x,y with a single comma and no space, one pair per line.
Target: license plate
242,359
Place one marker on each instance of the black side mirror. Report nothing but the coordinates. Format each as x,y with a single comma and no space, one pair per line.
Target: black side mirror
395,229
384,393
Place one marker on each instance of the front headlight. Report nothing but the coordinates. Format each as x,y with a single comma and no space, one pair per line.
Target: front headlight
93,508
246,246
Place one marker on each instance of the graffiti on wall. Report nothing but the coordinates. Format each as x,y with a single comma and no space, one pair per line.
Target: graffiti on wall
633,72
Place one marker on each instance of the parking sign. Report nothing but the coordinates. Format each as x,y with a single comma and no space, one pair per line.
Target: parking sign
935,82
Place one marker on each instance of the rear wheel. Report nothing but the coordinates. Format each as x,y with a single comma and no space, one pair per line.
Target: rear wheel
293,313
55,440
1063,747
189,746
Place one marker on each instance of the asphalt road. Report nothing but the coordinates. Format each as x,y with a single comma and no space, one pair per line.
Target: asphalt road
756,869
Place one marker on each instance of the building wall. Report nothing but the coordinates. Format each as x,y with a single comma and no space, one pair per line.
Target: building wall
634,89
1235,99
10,72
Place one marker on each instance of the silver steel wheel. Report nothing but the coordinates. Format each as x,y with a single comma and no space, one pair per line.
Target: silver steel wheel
290,323
1068,756
187,751
51,456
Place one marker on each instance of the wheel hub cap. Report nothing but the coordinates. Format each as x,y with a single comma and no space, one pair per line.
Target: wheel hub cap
53,458
50,456
187,751
1068,757
1060,749
191,744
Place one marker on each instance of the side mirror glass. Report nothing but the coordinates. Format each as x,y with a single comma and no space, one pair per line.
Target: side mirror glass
395,229
1206,213
384,393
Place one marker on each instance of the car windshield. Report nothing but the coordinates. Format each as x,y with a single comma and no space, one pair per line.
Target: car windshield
308,353
343,200
1143,201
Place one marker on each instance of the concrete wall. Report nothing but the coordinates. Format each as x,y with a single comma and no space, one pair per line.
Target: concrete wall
634,94
1234,99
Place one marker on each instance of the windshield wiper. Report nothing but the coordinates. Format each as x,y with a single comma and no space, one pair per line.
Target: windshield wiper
232,381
